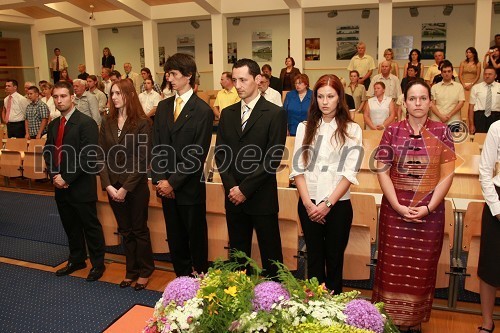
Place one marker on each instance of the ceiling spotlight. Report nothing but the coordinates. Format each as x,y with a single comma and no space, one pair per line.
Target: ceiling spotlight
413,11
365,13
236,21
496,8
332,13
447,10
91,17
195,24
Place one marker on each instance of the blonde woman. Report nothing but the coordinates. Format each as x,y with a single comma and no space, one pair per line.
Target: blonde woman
389,56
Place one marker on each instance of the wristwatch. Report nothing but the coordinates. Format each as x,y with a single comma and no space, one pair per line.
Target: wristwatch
327,202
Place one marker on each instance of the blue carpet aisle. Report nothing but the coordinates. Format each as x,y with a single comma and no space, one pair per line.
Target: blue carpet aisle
34,301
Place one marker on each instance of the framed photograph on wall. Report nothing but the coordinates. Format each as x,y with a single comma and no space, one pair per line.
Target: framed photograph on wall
347,41
312,49
262,46
185,44
431,46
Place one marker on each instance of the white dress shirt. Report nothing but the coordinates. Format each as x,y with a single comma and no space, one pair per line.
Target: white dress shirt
17,107
489,157
149,100
323,177
478,96
185,98
272,96
392,86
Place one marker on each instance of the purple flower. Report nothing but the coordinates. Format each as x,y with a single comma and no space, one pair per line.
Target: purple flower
363,314
268,293
180,290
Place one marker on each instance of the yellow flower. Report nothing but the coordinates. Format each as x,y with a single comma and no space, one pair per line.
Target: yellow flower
210,297
231,291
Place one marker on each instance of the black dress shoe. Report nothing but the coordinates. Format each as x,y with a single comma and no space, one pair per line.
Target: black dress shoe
95,274
70,268
140,286
126,284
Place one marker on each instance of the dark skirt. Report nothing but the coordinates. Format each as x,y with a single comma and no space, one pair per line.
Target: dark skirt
408,255
488,268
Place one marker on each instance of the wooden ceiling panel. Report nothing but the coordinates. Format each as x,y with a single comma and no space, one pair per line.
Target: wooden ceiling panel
35,12
164,2
99,5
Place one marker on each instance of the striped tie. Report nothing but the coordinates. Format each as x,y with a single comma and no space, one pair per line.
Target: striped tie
245,116
487,105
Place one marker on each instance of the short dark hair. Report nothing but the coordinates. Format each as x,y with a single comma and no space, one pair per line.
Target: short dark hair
116,73
92,77
56,49
353,71
415,68
490,67
266,76
14,82
228,75
183,63
267,66
417,81
35,89
253,67
380,83
447,64
293,60
150,79
65,84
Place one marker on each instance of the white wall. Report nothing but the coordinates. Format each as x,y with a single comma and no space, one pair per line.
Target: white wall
71,46
24,35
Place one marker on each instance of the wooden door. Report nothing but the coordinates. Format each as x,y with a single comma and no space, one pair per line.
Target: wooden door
10,55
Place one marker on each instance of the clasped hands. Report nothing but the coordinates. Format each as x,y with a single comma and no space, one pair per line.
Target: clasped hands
116,195
412,214
164,189
318,212
59,182
236,196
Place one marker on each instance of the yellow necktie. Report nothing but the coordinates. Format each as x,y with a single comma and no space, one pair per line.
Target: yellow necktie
177,110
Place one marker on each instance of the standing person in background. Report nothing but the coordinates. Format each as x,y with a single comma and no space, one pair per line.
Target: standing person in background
57,64
364,64
71,140
414,60
492,59
145,73
37,115
149,99
14,110
470,71
411,74
274,82
85,101
108,60
435,69
226,96
166,88
184,124
65,76
415,168
250,142
269,93
324,207
105,74
82,73
297,103
389,56
124,177
484,106
488,269
102,100
287,75
46,90
135,77
356,90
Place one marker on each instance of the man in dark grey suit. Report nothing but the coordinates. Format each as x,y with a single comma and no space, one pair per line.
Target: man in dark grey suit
71,141
250,142
181,139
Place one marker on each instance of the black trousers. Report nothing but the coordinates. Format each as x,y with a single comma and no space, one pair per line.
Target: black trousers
56,75
16,129
187,235
132,218
326,243
81,225
240,228
366,83
483,123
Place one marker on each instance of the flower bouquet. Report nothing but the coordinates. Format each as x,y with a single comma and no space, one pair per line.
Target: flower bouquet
227,299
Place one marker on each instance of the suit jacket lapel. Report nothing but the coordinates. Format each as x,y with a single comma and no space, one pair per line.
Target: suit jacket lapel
237,118
113,127
185,114
170,112
73,120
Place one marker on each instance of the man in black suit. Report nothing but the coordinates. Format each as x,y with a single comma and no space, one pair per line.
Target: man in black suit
181,139
250,142
71,141
274,82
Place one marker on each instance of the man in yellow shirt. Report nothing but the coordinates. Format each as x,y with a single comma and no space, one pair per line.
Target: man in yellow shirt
227,96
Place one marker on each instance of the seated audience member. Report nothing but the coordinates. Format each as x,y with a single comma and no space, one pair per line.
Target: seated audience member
149,99
145,73
492,59
226,96
37,115
484,104
379,110
166,88
356,90
274,82
269,93
448,97
297,103
411,74
115,76
14,110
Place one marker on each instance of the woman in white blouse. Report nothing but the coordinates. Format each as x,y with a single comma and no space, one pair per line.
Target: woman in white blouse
46,89
326,160
379,110
488,269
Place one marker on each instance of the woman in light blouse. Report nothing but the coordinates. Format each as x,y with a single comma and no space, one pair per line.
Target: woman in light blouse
379,110
46,89
488,268
356,90
324,207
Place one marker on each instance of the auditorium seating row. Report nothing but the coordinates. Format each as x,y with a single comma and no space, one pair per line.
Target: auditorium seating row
22,158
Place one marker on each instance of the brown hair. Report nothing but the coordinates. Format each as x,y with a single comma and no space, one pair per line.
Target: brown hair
131,102
302,78
342,116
